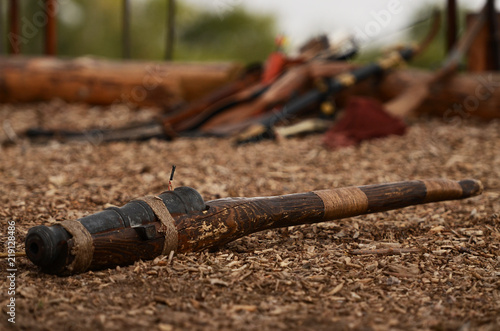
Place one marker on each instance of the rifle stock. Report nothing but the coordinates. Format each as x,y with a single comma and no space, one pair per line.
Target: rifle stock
121,236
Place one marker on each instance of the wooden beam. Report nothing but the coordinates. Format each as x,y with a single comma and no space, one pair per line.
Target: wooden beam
480,55
51,27
14,46
494,32
126,29
2,40
451,25
169,48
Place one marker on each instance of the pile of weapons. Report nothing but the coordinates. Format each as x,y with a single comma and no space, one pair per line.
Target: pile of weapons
285,90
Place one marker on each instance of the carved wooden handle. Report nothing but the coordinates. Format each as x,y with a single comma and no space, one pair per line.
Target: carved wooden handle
229,219
353,201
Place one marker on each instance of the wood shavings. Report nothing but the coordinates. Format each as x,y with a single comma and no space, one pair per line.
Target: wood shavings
302,278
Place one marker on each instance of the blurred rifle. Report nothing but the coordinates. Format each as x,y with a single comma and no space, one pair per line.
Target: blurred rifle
180,221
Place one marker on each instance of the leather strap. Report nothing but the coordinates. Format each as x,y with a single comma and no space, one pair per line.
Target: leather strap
167,222
83,247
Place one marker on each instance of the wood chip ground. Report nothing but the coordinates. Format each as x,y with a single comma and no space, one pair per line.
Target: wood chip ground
428,267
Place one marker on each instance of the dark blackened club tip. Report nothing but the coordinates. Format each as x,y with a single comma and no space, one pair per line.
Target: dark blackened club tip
471,187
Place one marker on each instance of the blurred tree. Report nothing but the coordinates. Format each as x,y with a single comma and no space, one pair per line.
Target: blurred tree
93,27
240,34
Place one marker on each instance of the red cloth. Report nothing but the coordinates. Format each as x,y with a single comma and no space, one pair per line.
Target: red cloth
274,66
364,118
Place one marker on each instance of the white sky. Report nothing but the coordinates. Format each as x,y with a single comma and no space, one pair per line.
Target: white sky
301,19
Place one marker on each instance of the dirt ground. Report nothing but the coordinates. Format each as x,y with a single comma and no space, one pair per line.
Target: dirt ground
303,278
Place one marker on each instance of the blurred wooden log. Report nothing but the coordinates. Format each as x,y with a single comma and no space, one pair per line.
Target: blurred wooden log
166,84
98,81
464,95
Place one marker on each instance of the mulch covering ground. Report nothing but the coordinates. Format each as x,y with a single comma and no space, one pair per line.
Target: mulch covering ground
305,277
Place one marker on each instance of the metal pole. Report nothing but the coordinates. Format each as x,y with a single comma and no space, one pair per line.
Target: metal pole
51,27
126,29
493,27
14,36
451,25
169,49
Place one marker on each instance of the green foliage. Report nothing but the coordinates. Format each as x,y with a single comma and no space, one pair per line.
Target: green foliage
435,52
241,35
94,27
